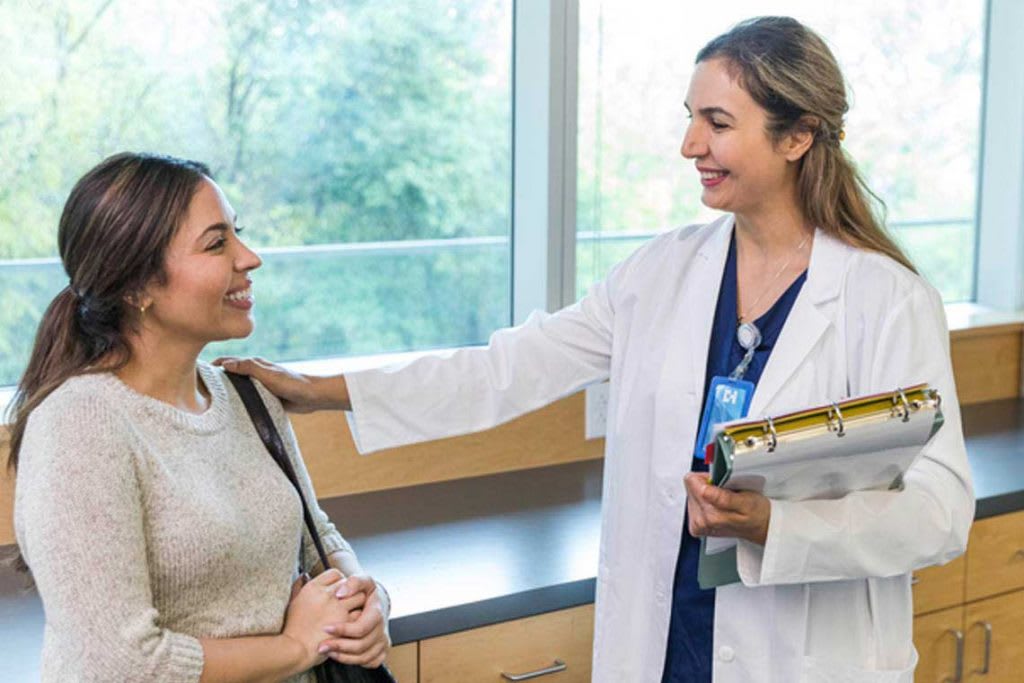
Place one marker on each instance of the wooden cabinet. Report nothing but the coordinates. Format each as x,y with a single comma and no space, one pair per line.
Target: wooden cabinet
995,556
986,587
403,660
935,637
559,642
1001,620
938,587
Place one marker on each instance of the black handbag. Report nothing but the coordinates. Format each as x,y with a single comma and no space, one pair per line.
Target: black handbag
330,671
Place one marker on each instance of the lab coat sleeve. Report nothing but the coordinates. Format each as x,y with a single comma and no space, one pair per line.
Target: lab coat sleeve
471,389
882,533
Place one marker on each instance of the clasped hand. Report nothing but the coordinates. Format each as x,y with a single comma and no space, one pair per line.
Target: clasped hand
340,618
714,511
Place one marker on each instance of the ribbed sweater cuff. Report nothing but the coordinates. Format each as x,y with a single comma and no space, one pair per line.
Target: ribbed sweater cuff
184,659
334,542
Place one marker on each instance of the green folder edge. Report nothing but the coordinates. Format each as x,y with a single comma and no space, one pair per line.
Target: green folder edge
720,569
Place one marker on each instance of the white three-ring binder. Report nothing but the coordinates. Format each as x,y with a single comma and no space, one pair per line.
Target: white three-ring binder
859,444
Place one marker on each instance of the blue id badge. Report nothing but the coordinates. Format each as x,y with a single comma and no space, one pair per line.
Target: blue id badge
728,399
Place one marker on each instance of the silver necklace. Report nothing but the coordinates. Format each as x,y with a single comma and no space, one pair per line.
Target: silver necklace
747,333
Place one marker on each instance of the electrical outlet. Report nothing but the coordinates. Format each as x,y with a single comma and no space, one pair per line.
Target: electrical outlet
596,410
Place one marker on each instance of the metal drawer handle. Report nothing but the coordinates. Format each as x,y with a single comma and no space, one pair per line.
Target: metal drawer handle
958,677
988,647
914,579
558,665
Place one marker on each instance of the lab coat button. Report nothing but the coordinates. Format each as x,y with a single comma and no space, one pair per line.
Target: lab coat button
726,653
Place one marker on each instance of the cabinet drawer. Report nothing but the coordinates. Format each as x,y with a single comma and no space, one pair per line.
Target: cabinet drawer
403,660
1004,617
995,556
939,587
481,655
936,645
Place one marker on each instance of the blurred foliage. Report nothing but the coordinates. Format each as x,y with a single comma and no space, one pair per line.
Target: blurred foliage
324,121
343,121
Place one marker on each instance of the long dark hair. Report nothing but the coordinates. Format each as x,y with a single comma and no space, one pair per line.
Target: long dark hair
113,236
791,73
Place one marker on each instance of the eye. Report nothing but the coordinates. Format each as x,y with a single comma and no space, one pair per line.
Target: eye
216,244
239,229
718,125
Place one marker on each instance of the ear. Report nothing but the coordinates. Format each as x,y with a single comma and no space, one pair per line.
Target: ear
139,301
796,143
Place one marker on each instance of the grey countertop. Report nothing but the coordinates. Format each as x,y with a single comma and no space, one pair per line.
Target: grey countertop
462,554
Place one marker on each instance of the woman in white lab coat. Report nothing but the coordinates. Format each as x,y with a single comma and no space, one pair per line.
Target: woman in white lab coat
825,306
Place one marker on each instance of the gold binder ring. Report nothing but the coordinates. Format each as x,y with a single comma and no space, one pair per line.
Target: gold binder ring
902,397
773,437
840,425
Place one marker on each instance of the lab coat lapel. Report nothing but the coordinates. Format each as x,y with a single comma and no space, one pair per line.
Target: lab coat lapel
690,311
806,322
701,296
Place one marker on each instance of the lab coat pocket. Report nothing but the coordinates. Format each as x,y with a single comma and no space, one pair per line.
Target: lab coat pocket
821,670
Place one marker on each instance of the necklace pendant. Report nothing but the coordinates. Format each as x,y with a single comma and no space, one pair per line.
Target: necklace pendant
748,336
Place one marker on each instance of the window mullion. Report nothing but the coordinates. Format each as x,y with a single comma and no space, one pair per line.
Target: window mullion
544,163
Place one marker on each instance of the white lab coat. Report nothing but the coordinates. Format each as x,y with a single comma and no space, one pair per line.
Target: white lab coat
828,597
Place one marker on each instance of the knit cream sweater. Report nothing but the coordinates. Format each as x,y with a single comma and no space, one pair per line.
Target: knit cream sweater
147,528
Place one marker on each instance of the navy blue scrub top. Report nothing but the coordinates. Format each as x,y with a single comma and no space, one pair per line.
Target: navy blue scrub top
689,655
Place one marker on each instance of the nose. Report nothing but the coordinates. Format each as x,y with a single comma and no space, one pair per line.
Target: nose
246,259
694,146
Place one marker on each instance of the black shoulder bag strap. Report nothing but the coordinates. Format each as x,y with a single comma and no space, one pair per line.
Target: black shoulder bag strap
330,671
272,440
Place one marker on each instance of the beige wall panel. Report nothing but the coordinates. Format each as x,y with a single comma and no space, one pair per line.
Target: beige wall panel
987,366
548,436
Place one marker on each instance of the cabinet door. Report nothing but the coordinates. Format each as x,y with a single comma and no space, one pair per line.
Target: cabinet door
995,556
522,646
1005,616
403,660
936,645
938,587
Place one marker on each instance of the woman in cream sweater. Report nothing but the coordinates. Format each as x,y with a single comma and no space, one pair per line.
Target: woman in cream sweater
163,538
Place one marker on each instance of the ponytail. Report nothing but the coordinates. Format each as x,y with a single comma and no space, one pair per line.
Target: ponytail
834,196
71,340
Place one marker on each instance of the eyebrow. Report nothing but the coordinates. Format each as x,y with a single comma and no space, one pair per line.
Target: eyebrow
217,227
711,111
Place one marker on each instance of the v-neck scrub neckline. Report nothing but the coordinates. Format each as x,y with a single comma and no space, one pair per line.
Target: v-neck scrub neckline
688,658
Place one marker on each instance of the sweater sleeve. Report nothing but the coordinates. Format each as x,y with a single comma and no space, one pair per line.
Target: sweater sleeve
882,533
80,524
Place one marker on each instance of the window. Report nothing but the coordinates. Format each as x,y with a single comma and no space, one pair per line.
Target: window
366,147
369,146
915,71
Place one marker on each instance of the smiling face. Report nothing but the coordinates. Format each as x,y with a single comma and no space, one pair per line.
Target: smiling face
741,169
207,293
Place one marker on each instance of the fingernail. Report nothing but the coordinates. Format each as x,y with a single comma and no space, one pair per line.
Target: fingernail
343,591
323,649
329,629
